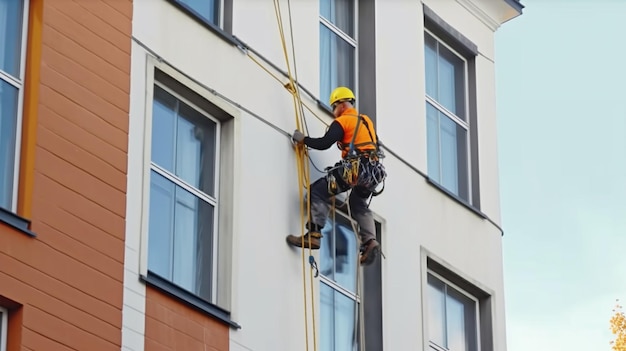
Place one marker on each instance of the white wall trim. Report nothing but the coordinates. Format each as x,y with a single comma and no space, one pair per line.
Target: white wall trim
480,14
134,295
19,120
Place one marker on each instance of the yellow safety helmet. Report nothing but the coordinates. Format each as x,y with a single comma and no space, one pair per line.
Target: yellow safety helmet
341,93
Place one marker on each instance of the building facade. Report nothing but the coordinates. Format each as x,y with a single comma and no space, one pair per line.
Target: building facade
148,179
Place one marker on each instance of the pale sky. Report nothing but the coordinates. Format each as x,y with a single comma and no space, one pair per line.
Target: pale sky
561,79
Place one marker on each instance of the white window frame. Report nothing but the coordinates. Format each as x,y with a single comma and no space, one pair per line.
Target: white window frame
4,321
219,294
459,121
212,200
347,38
19,84
476,302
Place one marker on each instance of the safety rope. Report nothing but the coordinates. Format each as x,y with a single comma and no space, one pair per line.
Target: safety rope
303,171
304,182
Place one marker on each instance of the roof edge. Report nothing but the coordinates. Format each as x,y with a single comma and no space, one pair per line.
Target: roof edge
516,5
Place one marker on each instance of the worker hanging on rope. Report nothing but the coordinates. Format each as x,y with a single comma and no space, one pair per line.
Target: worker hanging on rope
359,170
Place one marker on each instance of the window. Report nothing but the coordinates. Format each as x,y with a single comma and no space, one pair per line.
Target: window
452,317
4,317
209,10
447,117
337,45
338,287
183,216
342,294
12,53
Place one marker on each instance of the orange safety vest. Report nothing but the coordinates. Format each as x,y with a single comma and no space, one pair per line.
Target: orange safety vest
362,142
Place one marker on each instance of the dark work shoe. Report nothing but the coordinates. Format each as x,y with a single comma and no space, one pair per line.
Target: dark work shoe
369,251
296,240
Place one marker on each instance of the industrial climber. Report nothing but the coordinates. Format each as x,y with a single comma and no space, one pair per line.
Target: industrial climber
359,170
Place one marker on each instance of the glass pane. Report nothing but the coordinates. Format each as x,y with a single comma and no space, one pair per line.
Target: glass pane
195,149
208,9
345,257
11,16
327,252
337,63
430,56
449,157
205,251
338,321
183,141
193,220
451,92
338,255
184,239
454,156
8,125
432,130
436,311
327,320
180,236
163,128
161,225
461,316
456,325
340,13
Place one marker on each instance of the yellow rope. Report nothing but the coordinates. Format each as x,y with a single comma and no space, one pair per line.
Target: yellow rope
303,173
287,86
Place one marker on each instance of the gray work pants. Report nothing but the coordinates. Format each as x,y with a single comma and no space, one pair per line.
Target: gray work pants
321,201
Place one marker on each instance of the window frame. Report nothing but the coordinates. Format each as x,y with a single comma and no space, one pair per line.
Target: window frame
465,124
353,42
158,70
476,304
225,27
486,318
4,321
212,200
219,14
19,84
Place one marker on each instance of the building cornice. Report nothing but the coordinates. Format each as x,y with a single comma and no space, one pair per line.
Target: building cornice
489,21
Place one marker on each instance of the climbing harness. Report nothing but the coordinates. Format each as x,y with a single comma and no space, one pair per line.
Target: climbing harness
358,168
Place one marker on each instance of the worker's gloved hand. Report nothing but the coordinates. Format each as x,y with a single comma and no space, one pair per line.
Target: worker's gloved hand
297,136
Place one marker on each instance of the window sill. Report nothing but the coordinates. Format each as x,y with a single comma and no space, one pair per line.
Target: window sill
204,22
189,299
15,221
456,198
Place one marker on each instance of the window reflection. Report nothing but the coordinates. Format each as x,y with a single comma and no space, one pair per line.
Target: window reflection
338,266
338,321
452,323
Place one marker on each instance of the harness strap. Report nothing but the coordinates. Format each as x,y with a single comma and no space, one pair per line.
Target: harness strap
356,130
352,146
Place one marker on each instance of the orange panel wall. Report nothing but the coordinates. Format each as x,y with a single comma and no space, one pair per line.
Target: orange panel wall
69,279
172,325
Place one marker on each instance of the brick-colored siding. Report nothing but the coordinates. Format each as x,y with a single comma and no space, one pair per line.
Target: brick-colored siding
69,279
172,325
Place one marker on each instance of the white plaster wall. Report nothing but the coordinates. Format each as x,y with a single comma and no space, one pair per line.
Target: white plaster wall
418,215
267,287
400,79
255,23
